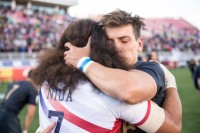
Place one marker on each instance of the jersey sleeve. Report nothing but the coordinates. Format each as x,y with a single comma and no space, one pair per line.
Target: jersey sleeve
146,115
156,72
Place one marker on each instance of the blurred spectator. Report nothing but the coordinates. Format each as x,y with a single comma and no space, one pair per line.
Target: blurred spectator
153,56
143,58
167,39
197,78
192,66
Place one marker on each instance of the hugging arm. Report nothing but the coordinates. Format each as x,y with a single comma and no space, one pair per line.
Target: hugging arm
172,108
148,116
130,86
172,104
173,112
127,86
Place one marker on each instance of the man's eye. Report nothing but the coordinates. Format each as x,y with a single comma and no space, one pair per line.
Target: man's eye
124,41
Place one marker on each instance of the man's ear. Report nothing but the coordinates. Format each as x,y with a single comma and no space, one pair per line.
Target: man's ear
140,44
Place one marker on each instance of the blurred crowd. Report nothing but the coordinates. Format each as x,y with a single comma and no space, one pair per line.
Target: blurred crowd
26,30
168,38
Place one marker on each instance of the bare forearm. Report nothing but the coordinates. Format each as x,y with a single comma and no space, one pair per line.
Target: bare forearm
173,112
124,85
172,105
108,80
27,122
29,116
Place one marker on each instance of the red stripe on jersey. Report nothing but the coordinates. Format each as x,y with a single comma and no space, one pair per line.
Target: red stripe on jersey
77,120
146,115
117,126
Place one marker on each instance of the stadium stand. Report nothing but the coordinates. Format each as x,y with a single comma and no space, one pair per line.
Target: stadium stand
35,29
28,30
172,33
28,27
177,23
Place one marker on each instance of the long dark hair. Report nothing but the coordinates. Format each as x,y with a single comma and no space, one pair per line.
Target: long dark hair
52,67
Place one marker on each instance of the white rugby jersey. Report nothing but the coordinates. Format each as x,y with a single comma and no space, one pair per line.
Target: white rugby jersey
86,110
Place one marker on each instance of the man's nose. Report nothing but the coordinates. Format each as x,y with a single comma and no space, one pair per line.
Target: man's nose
117,44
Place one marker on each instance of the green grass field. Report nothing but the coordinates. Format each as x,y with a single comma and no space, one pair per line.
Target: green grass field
190,101
189,97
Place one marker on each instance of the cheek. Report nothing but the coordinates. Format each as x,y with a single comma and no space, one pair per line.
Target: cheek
132,48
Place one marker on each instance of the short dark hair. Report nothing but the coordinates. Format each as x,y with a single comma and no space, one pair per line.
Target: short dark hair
120,17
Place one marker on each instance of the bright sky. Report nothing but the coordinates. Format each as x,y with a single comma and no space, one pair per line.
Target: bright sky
187,9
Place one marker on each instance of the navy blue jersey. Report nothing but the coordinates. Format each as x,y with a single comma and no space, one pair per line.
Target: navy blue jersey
19,94
154,70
